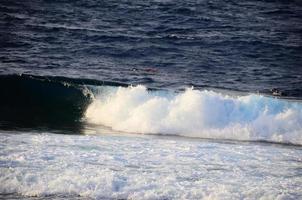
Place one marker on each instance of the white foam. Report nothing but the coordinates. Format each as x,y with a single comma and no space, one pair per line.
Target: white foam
145,167
194,113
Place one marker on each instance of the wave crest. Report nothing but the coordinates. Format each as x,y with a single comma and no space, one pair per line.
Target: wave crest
194,113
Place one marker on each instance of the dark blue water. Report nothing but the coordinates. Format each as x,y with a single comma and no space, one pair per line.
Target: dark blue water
248,46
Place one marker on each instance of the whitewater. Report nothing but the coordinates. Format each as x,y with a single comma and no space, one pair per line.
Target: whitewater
195,113
120,166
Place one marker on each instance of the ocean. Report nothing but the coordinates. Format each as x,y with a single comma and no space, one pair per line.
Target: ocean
150,99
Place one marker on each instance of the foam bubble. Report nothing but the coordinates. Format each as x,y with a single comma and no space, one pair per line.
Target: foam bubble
194,113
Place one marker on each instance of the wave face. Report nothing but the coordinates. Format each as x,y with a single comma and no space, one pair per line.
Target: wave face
31,101
194,113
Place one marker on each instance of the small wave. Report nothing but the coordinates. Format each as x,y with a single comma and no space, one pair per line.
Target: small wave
194,113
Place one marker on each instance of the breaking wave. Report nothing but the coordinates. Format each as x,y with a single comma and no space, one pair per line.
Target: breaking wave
56,102
194,113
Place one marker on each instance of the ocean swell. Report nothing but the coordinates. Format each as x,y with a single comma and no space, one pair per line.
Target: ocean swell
194,113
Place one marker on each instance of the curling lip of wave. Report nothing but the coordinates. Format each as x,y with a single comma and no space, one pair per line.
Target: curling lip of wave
194,113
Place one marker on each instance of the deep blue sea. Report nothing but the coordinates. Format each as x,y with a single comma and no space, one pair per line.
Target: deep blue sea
150,99
247,46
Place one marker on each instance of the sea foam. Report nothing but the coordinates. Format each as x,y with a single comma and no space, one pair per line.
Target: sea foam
195,113
55,166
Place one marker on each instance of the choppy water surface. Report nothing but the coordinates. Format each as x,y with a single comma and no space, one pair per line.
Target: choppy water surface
250,46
